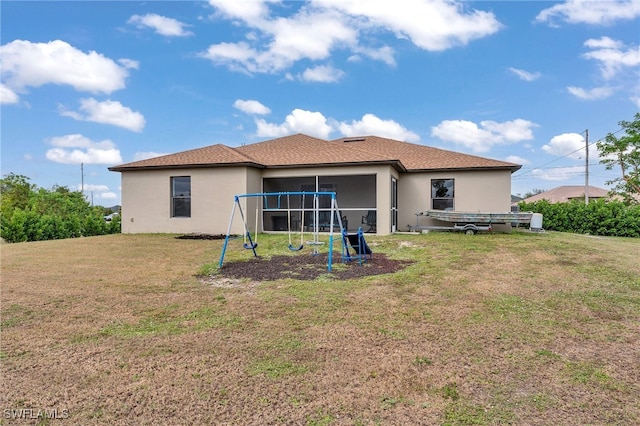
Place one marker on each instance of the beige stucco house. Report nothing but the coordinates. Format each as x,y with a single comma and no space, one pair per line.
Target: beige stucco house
383,180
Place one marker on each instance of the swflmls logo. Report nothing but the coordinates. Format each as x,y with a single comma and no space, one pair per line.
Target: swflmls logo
32,413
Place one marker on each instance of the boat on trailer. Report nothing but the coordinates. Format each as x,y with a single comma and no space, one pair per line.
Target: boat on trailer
472,222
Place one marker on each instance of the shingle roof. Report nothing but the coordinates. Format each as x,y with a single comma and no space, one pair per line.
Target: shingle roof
566,193
303,150
421,157
218,155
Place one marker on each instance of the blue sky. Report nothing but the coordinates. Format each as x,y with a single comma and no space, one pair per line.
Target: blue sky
103,83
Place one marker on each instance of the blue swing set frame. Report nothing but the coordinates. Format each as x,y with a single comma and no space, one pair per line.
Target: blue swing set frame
252,245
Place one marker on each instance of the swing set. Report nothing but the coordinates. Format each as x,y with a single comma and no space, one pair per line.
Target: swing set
251,243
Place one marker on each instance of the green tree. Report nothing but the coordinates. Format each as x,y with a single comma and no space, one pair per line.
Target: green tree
15,191
624,151
28,213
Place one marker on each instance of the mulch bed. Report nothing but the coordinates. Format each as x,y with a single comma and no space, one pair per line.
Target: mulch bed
309,267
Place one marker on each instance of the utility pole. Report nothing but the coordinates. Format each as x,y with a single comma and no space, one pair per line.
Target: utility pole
586,167
82,179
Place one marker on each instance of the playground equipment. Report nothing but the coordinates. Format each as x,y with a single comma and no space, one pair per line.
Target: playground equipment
289,231
357,243
251,243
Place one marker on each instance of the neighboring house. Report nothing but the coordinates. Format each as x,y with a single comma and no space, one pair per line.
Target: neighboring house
563,194
375,178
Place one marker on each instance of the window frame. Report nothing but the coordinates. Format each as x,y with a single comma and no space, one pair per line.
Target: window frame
447,201
177,211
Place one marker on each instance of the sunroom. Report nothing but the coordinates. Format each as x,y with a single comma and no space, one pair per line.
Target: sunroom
355,198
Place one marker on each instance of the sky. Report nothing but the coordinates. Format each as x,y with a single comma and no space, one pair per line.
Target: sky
86,85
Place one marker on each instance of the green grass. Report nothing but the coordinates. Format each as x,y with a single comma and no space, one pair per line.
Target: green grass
275,368
164,321
15,314
490,329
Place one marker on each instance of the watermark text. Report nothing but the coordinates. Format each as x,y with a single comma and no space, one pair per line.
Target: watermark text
34,413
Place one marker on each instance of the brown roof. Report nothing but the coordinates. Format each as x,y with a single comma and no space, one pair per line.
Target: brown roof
303,150
562,194
219,155
421,157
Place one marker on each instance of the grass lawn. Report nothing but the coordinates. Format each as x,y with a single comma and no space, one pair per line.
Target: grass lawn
489,329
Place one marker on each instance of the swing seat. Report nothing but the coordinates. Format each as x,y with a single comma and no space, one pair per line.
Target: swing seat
250,246
296,248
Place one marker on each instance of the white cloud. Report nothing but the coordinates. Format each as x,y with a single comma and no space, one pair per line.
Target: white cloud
372,125
590,12
525,75
237,56
517,160
322,74
144,155
108,195
26,64
76,149
310,34
571,145
612,55
316,124
93,187
7,96
251,12
160,24
384,54
100,192
107,112
432,25
304,36
129,63
319,27
251,107
482,138
299,121
591,94
558,173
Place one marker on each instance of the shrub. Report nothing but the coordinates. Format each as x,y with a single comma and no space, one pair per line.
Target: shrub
28,213
611,218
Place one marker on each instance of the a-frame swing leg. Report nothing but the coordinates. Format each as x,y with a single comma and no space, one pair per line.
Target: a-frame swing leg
251,245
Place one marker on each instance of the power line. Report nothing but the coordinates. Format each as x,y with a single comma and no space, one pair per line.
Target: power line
542,167
579,170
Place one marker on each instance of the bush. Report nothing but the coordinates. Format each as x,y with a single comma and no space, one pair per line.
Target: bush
610,218
34,214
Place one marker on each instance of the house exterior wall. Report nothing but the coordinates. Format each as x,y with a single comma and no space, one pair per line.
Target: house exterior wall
475,191
146,196
146,200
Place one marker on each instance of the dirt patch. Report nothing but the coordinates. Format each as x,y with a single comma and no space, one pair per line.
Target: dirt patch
309,267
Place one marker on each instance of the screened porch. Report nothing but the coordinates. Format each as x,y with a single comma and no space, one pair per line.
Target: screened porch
355,196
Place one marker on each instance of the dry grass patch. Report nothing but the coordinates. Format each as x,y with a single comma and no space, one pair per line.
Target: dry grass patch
491,329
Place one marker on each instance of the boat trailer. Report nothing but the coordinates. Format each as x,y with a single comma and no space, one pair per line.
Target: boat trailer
472,222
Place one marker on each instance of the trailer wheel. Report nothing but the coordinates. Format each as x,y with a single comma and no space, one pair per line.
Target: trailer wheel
470,231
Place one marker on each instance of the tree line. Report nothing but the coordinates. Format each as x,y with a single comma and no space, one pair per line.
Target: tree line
29,213
600,217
